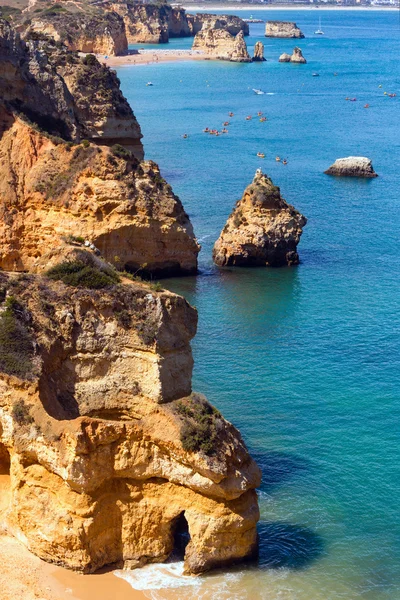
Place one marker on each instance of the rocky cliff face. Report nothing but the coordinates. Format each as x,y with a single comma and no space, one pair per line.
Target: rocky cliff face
144,23
295,57
215,41
282,29
262,230
110,452
62,94
352,166
230,23
100,34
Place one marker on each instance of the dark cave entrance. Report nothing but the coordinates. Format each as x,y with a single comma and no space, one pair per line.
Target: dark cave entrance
4,460
181,535
5,487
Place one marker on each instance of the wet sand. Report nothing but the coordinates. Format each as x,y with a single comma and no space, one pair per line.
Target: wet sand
24,576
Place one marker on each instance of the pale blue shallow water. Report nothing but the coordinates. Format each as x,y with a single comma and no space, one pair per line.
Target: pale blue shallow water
305,361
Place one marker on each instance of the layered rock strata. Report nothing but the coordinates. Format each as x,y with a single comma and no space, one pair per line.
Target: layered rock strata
96,411
218,43
55,187
262,230
62,94
352,166
258,52
282,29
295,57
230,23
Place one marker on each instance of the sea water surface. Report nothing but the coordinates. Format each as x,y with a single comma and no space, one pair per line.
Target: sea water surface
306,360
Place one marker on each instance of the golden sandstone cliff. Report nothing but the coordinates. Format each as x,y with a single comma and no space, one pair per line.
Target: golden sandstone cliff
109,451
214,40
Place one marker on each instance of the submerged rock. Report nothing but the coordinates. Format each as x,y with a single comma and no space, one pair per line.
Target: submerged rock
258,52
215,41
296,57
262,230
352,166
283,29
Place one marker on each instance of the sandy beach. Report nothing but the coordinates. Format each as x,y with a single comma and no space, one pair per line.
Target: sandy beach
146,57
24,576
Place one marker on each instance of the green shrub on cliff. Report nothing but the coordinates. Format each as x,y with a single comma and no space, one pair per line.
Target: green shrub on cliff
199,431
79,274
16,344
121,152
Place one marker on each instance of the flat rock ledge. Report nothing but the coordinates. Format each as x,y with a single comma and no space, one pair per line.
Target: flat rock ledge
352,166
262,230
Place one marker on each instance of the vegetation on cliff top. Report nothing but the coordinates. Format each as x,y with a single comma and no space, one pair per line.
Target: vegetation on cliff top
79,274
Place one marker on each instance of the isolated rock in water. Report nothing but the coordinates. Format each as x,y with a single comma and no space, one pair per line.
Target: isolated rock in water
285,57
219,43
258,52
352,166
283,29
296,57
262,230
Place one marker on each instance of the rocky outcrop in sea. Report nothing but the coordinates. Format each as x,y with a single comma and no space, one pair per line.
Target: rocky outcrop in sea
262,230
352,166
258,52
218,43
282,29
295,57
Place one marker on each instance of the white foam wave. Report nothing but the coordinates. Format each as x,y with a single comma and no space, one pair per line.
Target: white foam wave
158,577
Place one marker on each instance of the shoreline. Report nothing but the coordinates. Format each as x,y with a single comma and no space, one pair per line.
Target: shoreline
232,8
147,57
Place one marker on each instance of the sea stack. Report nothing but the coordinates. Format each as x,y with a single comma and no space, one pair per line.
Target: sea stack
296,57
262,230
258,52
352,166
217,42
282,29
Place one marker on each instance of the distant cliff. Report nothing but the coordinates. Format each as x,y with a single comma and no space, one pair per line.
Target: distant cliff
283,29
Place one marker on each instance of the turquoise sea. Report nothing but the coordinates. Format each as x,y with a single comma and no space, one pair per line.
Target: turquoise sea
306,360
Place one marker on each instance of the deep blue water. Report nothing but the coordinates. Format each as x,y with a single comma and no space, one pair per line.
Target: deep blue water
305,361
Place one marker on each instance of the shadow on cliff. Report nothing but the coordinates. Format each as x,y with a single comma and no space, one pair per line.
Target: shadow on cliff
284,545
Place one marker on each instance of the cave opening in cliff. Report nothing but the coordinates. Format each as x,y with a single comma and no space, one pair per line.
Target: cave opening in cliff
180,530
4,460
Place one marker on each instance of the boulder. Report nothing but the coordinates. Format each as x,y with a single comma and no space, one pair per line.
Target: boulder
282,29
262,230
296,57
258,52
352,166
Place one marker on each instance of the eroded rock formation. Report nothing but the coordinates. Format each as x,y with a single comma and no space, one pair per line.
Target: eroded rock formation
215,41
230,23
96,411
262,230
145,23
352,166
258,52
282,29
55,187
109,451
99,33
295,57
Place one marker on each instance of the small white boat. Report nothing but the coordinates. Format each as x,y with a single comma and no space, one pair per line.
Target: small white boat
149,83
258,92
319,30
315,74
